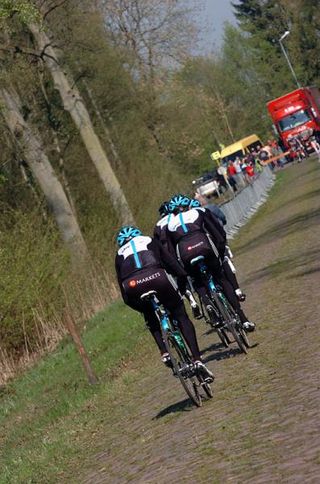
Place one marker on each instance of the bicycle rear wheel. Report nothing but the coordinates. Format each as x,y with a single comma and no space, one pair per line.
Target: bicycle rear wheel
223,337
232,322
213,318
206,386
182,367
244,336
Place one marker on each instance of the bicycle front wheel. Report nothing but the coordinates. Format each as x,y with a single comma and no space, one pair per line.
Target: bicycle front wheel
182,367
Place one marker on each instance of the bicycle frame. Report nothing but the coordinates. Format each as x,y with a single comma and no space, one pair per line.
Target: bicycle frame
211,285
230,318
165,322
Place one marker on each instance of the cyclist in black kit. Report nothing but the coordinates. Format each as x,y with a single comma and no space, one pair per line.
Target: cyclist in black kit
141,264
227,265
159,232
197,232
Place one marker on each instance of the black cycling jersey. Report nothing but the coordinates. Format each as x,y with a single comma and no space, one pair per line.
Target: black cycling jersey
197,220
160,232
141,266
142,253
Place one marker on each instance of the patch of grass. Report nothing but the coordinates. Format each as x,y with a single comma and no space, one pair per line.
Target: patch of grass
43,412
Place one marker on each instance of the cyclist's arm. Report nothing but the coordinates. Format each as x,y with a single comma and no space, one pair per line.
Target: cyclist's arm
169,262
157,232
218,213
215,230
117,266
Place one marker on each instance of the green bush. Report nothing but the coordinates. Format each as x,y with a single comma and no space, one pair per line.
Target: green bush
33,265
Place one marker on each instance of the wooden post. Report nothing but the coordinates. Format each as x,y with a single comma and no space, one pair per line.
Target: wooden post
75,335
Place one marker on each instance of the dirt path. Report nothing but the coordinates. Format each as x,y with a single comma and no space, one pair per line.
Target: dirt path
263,422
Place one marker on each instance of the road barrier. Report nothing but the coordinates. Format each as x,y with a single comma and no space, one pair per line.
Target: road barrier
246,203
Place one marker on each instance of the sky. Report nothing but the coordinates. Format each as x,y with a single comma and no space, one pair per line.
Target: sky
215,13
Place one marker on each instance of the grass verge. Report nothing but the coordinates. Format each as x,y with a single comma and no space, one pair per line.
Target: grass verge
42,411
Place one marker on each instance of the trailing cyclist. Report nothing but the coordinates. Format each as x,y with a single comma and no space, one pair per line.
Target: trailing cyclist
142,264
227,265
196,232
159,232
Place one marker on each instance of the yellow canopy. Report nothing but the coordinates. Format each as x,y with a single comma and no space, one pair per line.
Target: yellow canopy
240,145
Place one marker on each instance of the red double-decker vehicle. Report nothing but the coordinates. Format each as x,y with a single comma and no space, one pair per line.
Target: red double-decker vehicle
296,114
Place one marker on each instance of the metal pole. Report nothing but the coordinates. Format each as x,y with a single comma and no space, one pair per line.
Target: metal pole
289,64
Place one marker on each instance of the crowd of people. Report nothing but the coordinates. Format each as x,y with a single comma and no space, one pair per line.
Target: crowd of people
237,171
163,263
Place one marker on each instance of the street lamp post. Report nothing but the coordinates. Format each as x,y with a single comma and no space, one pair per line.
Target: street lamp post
287,57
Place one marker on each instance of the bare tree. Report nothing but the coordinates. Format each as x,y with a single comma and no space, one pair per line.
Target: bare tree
74,104
33,15
159,33
30,145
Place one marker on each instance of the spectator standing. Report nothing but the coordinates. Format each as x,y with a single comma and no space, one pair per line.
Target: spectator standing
223,172
250,172
239,175
315,145
231,176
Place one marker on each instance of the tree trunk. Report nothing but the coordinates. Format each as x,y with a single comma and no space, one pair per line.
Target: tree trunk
57,147
31,146
106,130
74,104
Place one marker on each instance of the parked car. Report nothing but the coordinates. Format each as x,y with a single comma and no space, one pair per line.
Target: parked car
207,185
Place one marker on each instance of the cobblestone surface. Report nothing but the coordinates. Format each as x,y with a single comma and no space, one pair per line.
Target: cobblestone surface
263,423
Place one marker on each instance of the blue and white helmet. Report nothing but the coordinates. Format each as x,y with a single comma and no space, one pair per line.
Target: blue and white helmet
194,203
126,233
178,202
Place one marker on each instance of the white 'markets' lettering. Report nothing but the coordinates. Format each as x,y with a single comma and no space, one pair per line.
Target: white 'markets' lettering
196,245
188,217
148,278
140,243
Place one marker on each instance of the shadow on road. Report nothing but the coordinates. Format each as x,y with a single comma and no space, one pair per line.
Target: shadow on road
182,406
286,265
300,198
221,354
285,228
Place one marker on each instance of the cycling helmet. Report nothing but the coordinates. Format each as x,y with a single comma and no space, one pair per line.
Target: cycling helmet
194,203
164,209
178,202
126,233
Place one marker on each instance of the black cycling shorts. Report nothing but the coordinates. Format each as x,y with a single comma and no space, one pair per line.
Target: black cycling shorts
151,280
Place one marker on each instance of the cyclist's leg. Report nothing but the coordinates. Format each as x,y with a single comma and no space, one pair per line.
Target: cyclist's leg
232,279
154,328
220,277
232,298
230,274
134,287
189,334
172,301
187,328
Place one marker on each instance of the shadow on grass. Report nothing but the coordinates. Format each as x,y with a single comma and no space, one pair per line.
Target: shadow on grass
286,265
300,198
307,272
221,354
296,223
185,405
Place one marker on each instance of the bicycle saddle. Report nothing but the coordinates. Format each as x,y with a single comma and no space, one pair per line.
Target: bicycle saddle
196,259
148,295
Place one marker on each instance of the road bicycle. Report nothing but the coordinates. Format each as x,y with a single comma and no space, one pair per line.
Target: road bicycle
180,356
219,312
